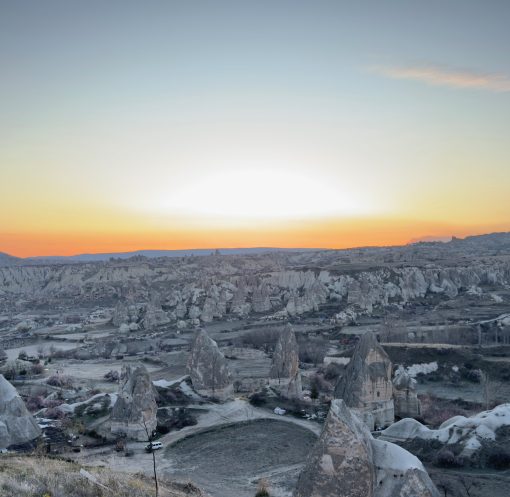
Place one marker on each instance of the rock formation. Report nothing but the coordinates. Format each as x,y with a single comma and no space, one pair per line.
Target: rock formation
472,439
154,314
284,373
120,314
366,384
260,299
208,368
135,409
347,462
17,425
405,399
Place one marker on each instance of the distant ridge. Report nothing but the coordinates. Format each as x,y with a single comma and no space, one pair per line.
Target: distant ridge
8,260
164,253
491,241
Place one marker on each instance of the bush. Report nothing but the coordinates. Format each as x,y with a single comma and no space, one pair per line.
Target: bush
112,376
258,399
470,374
499,458
263,488
34,402
264,339
445,459
312,350
60,380
333,371
319,385
37,369
178,419
54,413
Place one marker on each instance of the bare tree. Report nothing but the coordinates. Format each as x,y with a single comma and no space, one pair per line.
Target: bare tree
487,389
149,442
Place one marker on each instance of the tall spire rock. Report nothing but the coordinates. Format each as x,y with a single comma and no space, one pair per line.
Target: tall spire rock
346,461
366,384
134,413
17,425
208,368
284,373
340,464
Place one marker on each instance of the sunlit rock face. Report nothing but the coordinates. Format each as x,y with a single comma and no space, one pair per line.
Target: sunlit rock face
284,373
17,425
347,462
134,412
405,398
366,384
208,368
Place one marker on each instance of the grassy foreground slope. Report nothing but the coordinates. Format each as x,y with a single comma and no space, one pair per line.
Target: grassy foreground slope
44,477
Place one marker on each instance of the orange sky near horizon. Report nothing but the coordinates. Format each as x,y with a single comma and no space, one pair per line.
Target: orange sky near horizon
327,234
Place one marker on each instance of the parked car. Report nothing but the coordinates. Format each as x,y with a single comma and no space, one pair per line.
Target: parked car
153,446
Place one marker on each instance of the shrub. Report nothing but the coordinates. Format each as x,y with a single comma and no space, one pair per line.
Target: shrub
264,339
178,419
112,376
312,350
263,488
333,371
319,385
445,458
258,399
34,402
60,380
37,368
499,458
54,413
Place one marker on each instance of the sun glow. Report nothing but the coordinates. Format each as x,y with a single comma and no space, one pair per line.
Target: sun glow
262,195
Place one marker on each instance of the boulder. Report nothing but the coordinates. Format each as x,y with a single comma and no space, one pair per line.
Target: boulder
17,425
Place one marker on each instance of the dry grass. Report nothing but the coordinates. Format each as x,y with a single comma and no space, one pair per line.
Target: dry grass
43,477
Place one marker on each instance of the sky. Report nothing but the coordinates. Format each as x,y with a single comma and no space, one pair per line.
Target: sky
197,124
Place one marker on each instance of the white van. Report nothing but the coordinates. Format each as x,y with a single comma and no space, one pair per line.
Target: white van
153,446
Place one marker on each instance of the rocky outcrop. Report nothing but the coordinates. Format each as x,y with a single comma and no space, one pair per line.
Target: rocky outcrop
474,440
135,410
208,368
366,383
17,425
154,314
347,462
405,398
284,373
